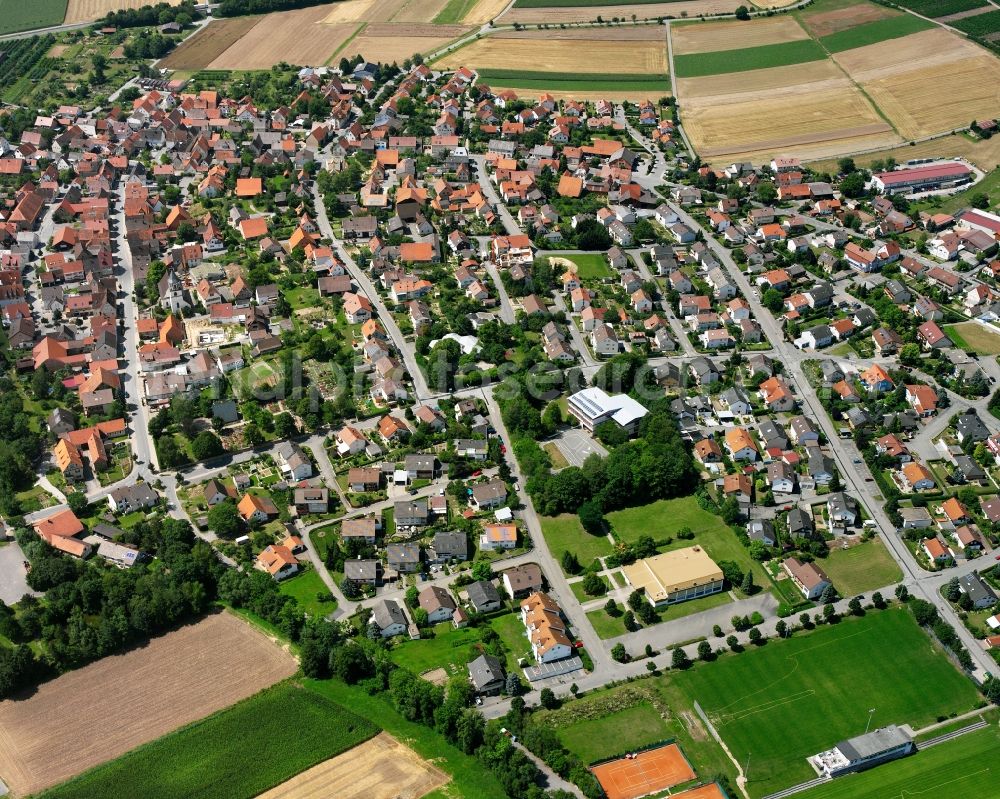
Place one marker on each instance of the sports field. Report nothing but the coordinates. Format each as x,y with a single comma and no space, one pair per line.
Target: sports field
978,337
103,710
648,772
234,754
963,768
790,699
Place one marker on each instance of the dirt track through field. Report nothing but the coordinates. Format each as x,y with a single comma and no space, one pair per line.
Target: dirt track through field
381,768
87,10
103,710
714,36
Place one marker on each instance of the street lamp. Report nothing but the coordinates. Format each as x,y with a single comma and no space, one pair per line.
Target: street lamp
871,712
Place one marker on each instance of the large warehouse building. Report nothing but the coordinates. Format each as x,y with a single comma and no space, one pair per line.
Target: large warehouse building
922,178
675,576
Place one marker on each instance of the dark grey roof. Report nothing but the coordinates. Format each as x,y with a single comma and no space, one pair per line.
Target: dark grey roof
486,670
482,593
978,591
873,743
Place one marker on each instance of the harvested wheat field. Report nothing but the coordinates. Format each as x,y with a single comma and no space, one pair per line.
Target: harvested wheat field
299,37
561,55
636,33
200,50
969,89
800,78
381,768
363,11
925,49
105,709
783,123
484,11
396,43
691,8
418,11
87,10
708,37
823,23
983,153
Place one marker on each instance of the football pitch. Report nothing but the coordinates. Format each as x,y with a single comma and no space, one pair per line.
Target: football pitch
962,768
776,705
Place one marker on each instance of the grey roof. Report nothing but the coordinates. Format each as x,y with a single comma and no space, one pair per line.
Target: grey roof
873,743
454,545
482,593
419,462
978,591
760,530
486,670
798,521
403,553
361,569
386,613
969,425
841,502
136,494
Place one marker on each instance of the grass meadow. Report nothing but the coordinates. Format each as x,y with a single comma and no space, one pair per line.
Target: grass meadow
790,699
232,754
25,15
861,568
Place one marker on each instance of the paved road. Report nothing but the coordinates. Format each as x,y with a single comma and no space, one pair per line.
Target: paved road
13,575
369,290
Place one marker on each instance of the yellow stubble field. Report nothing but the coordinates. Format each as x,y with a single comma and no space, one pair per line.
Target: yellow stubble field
690,8
711,37
87,10
561,55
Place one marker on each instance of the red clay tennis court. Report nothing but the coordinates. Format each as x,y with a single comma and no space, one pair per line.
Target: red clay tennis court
710,791
648,772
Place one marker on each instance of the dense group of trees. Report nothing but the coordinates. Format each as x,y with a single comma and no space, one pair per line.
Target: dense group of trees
20,448
91,610
160,14
239,8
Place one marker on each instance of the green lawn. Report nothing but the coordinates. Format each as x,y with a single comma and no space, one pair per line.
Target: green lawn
24,15
564,533
233,753
989,185
596,739
555,455
512,633
581,595
469,777
666,516
874,32
307,587
590,267
696,65
612,626
302,297
861,568
976,337
575,81
959,769
790,699
449,649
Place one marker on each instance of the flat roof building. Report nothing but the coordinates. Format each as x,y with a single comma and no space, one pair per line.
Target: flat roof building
922,178
592,406
863,751
675,576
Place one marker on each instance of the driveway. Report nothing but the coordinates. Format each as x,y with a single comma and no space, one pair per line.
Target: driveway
576,445
13,584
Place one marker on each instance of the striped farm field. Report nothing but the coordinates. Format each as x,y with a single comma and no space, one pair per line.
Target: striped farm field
823,19
576,12
198,51
583,56
700,37
881,30
608,85
980,24
694,65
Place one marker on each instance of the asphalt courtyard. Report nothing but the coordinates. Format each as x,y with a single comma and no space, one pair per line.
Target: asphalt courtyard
576,445
13,582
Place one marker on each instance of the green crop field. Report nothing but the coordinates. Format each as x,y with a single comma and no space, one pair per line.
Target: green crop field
697,65
861,568
979,25
574,81
875,32
790,699
26,15
454,11
958,769
238,752
940,8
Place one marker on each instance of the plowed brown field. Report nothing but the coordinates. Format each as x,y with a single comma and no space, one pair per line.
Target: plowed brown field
103,710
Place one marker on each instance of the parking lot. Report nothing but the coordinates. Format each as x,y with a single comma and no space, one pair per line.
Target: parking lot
13,583
576,445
